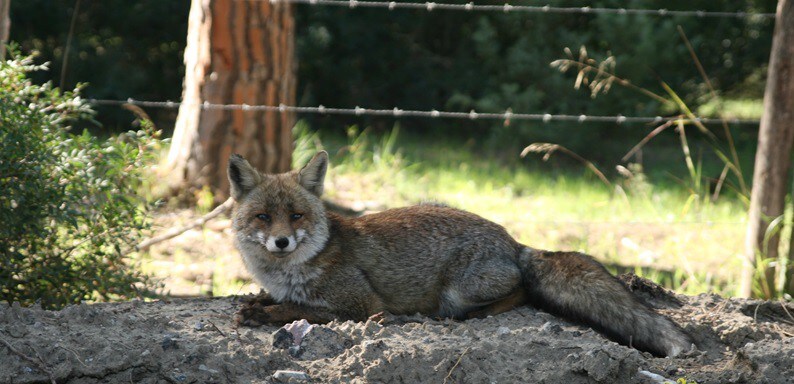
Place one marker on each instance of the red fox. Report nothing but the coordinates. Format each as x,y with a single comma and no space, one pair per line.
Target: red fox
428,259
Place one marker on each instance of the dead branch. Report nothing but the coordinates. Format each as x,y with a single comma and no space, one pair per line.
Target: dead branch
38,363
449,374
215,327
174,232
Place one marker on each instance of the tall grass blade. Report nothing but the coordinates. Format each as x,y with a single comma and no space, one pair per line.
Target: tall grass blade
690,165
548,148
646,139
726,129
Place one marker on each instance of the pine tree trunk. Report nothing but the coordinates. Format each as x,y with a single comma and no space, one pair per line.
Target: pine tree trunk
5,26
773,158
238,52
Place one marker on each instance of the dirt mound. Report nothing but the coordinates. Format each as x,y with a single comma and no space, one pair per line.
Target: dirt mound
195,341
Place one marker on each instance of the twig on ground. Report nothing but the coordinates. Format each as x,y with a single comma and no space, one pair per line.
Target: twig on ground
38,363
379,318
449,374
783,305
79,360
215,327
781,331
174,232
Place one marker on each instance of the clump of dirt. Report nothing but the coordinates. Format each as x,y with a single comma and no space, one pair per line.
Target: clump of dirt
196,341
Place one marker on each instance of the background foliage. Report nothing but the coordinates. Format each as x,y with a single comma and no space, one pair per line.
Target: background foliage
488,61
68,202
120,48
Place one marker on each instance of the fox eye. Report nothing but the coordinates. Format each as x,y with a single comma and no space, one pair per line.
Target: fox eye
295,216
264,217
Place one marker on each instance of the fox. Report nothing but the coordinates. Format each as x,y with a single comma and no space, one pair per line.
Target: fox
429,259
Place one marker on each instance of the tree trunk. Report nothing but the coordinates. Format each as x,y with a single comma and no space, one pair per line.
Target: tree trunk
5,26
238,52
773,159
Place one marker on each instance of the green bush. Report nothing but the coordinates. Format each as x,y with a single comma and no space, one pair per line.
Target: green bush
68,206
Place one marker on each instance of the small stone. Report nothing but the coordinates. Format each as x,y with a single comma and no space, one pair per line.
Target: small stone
322,342
283,339
199,325
204,368
284,375
502,331
656,378
299,329
169,342
295,351
145,353
548,327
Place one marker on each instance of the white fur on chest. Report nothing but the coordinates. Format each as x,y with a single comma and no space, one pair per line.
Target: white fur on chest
292,283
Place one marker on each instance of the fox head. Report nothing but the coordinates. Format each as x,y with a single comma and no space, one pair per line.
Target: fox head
279,218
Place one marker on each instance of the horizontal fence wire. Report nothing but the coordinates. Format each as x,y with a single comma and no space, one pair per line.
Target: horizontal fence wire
435,114
704,225
507,8
398,113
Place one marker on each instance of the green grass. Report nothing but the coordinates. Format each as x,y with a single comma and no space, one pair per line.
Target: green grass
659,229
732,108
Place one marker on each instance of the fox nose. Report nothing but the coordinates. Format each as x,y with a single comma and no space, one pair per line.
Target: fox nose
282,242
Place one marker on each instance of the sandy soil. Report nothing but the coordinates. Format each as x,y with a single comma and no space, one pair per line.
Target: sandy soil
196,341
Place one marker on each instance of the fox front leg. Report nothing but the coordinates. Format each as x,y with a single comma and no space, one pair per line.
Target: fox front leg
254,314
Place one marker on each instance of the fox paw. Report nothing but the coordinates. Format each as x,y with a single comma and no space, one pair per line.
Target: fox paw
252,315
262,298
254,311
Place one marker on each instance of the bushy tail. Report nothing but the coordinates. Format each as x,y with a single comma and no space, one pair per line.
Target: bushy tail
574,286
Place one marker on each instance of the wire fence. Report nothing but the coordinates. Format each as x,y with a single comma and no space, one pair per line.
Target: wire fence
507,115
508,8
702,225
398,113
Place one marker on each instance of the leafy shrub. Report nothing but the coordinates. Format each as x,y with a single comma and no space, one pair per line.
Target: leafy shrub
68,207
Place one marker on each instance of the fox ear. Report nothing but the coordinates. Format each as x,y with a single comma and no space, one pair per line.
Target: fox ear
242,177
312,175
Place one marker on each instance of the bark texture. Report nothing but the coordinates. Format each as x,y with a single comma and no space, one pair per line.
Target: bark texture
238,52
5,26
773,159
